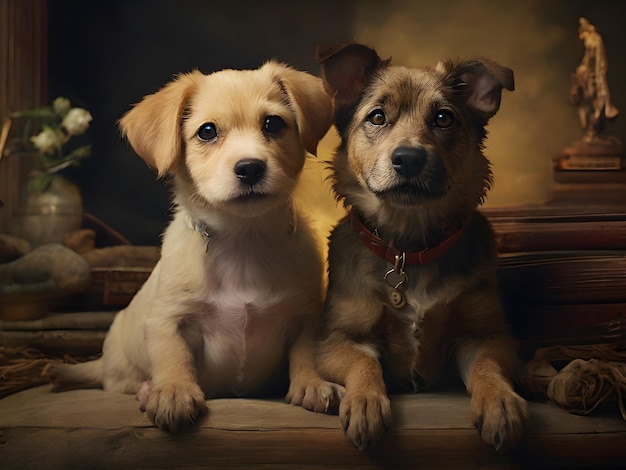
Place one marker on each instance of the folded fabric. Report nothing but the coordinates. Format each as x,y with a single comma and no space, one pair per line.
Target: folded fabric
582,386
595,375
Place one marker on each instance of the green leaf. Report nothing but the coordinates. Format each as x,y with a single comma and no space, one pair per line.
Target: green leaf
45,113
82,152
39,183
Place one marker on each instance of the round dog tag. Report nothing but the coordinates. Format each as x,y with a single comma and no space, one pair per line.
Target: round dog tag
397,298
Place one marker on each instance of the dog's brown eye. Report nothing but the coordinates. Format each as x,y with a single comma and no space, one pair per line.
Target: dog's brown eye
207,132
377,117
273,124
444,119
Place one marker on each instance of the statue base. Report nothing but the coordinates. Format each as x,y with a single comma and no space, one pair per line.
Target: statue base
590,172
593,154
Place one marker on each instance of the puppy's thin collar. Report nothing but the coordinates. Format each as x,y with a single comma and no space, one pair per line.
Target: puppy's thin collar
202,229
381,249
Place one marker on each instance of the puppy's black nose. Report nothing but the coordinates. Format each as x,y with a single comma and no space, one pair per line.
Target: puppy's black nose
408,161
250,170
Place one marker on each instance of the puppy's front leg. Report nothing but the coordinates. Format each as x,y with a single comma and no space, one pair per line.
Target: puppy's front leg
175,399
487,366
365,410
306,387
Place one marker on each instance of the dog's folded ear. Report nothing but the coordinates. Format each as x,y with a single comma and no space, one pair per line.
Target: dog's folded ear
314,108
481,80
346,69
153,126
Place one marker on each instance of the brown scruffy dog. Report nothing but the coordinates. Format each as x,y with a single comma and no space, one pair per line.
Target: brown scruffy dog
412,276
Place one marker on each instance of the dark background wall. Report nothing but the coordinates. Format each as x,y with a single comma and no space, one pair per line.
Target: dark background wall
106,55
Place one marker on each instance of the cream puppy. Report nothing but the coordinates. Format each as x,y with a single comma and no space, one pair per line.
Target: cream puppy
237,292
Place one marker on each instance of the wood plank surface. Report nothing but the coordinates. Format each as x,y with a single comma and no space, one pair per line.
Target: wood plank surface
93,428
77,343
100,321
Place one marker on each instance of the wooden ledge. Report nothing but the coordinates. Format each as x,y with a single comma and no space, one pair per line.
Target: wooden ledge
93,428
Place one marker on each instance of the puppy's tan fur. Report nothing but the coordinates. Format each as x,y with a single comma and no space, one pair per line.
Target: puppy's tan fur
452,303
238,289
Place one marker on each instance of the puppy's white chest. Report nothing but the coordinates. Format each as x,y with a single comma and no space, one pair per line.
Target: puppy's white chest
232,322
247,300
242,341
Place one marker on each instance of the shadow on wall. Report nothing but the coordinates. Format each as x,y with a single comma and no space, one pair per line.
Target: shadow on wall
117,51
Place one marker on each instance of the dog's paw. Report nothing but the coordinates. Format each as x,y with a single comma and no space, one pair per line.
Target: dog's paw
500,415
316,395
364,417
175,406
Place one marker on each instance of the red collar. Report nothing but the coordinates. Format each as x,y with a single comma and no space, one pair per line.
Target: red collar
380,248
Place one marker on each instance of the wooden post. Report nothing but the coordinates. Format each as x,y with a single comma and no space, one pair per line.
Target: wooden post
23,82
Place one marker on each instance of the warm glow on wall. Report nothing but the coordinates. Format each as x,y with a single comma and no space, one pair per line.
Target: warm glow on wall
536,121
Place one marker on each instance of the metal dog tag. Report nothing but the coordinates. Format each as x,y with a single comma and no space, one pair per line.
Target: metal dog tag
397,298
396,278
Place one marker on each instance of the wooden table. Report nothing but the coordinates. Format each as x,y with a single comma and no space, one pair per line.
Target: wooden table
96,429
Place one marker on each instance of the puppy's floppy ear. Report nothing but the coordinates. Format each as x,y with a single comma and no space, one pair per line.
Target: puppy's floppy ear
314,108
346,69
481,81
153,126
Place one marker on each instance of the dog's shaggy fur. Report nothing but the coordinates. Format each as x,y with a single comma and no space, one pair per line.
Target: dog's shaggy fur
411,168
238,289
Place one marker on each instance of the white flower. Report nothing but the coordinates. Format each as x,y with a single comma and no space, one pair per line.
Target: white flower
76,121
61,106
47,140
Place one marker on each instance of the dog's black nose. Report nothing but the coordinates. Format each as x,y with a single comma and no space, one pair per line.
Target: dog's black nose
250,170
408,161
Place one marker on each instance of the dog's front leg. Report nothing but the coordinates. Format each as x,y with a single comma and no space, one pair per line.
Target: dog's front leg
365,410
306,386
487,367
174,399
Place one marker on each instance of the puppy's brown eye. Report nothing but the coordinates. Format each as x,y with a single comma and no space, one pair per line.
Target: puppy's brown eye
444,119
207,132
377,117
273,124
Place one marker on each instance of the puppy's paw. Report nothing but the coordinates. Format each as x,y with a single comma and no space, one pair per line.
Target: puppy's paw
175,406
364,416
316,395
500,415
